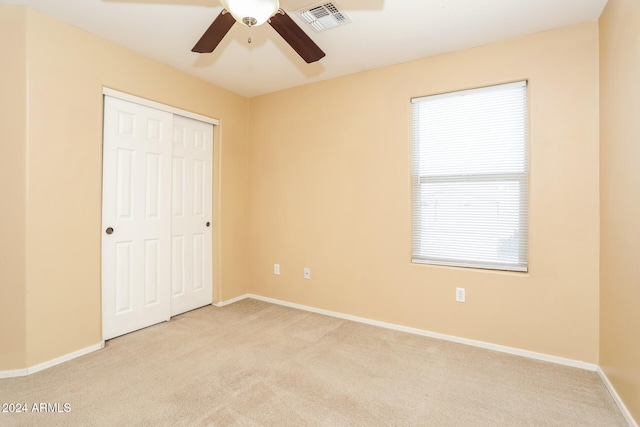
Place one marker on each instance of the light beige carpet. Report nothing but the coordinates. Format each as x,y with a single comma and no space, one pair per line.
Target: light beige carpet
258,364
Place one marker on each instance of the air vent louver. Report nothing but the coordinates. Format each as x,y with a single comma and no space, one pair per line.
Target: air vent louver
323,16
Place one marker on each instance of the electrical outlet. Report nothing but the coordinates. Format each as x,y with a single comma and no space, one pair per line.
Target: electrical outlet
307,273
460,295
276,268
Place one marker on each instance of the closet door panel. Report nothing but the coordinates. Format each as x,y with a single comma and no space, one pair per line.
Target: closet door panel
191,222
136,219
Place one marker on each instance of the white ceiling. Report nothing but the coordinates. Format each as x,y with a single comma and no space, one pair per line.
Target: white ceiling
383,32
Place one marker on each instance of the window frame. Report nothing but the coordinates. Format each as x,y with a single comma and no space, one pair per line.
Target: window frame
419,178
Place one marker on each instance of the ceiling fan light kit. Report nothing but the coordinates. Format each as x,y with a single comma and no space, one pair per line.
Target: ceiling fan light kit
256,12
251,12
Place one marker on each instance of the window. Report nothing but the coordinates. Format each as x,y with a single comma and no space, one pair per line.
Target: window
470,170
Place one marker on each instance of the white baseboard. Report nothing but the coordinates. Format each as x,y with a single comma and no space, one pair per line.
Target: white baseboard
14,373
617,399
50,363
230,301
496,347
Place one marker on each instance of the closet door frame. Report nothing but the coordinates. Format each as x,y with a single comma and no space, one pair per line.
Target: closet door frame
162,107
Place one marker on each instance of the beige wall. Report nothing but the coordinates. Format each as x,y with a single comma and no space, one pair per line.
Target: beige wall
66,70
620,207
13,128
330,190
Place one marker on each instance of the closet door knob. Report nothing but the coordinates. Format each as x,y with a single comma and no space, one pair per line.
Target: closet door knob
109,230
208,224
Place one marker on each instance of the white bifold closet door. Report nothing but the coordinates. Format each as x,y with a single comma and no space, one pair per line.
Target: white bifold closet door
156,216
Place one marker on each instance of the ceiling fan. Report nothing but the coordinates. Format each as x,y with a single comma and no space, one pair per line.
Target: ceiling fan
256,12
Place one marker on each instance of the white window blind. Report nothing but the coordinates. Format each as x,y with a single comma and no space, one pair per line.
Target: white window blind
470,172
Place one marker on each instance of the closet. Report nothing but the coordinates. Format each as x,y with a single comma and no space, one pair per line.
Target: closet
156,215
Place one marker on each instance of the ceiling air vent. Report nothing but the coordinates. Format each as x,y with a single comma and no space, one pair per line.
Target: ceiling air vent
323,16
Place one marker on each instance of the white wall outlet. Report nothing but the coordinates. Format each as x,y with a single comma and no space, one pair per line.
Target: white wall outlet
307,273
460,295
276,268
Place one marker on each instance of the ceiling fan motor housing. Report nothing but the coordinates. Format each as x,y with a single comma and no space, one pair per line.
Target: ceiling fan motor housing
251,12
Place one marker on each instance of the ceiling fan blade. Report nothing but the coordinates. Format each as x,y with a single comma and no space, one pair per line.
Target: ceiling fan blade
215,33
296,37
